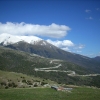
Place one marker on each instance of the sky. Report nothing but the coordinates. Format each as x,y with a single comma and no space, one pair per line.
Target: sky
72,25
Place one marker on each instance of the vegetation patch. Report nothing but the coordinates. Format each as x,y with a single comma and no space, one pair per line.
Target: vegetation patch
79,93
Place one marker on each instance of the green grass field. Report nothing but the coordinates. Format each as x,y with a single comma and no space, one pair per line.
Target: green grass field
49,94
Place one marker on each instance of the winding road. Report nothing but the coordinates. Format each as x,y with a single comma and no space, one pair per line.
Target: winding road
70,73
50,69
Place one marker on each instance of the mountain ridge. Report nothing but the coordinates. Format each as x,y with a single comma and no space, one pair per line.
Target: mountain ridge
45,49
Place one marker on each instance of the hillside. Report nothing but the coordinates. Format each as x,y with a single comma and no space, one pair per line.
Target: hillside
53,69
51,51
19,80
14,60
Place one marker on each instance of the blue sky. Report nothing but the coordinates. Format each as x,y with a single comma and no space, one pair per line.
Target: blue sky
72,25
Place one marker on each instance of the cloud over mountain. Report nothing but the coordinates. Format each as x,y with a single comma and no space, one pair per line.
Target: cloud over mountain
53,30
65,44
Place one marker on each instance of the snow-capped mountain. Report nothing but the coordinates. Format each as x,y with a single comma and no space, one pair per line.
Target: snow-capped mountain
7,39
36,45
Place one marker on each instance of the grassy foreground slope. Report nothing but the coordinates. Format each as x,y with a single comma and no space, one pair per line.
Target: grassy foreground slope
19,80
80,93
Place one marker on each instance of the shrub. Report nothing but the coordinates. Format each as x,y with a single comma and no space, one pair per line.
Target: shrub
43,83
24,81
29,83
12,85
9,84
3,83
23,86
35,85
6,87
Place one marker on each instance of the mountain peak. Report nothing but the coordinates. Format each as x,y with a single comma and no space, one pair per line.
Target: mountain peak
6,39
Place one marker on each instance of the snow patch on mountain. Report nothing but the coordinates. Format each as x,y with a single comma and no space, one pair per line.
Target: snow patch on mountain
6,39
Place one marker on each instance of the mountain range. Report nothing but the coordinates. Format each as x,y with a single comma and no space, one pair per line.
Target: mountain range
36,45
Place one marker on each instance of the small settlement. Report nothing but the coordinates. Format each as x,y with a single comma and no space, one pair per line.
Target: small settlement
59,88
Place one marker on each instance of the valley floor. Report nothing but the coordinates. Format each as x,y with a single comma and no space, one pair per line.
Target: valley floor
78,93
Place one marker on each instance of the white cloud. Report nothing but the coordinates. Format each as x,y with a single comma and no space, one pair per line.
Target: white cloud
78,51
87,11
90,18
81,46
66,49
61,44
53,30
65,44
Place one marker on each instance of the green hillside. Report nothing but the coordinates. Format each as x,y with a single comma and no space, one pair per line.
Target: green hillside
19,80
50,51
21,62
14,60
